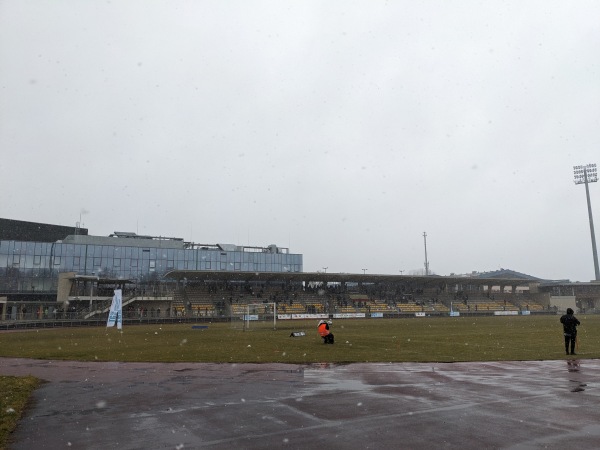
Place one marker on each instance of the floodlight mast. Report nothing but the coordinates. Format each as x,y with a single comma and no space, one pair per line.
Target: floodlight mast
426,262
584,175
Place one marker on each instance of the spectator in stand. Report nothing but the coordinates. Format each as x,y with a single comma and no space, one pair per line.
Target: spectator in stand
570,322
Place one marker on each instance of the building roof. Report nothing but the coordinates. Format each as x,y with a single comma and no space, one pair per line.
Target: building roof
20,230
507,273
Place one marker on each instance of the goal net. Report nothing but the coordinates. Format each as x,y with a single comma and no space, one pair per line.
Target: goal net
260,316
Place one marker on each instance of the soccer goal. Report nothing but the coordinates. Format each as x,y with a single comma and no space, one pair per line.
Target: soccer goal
260,316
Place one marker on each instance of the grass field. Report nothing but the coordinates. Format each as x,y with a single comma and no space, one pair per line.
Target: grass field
357,340
15,395
448,339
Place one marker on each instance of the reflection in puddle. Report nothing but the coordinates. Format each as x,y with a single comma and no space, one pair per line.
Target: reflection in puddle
573,365
322,365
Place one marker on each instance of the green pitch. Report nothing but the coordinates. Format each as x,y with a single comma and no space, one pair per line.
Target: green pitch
357,340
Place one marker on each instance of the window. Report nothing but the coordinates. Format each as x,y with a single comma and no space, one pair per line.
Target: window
37,260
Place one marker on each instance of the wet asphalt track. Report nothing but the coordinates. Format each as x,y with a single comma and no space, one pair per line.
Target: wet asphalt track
508,405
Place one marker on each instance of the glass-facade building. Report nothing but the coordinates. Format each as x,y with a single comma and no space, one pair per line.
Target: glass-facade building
34,266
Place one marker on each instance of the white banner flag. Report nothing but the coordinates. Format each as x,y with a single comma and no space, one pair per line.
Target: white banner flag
116,310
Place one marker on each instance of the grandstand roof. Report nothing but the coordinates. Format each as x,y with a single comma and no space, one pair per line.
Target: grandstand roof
432,280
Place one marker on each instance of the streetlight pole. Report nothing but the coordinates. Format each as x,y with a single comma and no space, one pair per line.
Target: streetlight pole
325,269
584,175
364,271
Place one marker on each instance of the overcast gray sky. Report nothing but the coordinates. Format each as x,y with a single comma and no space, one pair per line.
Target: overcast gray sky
340,129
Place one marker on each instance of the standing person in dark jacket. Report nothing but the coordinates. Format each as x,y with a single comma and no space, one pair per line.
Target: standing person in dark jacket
570,323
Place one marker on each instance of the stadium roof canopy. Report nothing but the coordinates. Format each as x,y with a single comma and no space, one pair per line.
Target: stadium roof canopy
422,280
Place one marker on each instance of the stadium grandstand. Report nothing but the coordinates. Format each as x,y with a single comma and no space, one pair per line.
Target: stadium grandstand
58,274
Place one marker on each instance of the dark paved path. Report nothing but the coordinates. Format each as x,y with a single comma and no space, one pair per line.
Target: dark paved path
512,405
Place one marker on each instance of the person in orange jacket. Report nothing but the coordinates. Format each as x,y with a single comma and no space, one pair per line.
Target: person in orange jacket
323,329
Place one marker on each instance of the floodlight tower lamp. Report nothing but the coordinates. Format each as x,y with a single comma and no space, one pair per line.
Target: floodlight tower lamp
585,174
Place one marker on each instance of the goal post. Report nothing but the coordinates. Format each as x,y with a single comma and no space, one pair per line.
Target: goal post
260,315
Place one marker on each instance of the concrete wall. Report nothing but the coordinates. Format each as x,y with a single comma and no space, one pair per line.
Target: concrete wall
64,286
563,302
3,308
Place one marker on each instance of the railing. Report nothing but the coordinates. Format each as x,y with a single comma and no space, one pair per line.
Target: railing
78,322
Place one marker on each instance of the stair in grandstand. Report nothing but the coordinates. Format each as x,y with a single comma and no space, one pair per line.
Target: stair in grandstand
106,307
